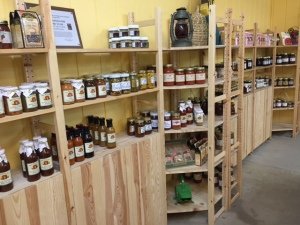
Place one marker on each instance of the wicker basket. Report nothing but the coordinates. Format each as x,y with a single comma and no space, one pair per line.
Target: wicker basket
200,34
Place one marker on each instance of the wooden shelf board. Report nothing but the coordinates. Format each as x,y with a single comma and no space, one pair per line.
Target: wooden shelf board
235,93
283,109
219,81
194,128
191,48
283,87
287,65
263,67
220,98
105,50
199,197
21,182
262,88
25,115
258,46
185,87
108,99
234,116
282,127
287,46
15,51
234,185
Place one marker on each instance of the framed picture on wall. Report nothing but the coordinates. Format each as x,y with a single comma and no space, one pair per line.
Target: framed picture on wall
65,27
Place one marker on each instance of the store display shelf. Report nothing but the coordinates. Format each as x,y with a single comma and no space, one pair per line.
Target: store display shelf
194,128
15,51
235,93
109,98
234,185
283,109
220,98
199,197
262,88
287,46
287,65
234,116
105,50
259,46
25,115
284,87
191,48
263,67
186,87
282,127
21,182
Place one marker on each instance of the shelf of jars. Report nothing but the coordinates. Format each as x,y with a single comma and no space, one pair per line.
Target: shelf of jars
192,48
262,67
284,87
22,51
182,87
105,50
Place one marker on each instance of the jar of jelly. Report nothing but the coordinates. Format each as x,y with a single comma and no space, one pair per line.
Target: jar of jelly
189,112
169,75
139,128
123,31
12,101
134,82
285,82
125,83
28,98
280,82
291,81
150,79
107,83
148,125
79,92
292,58
179,77
130,127
154,120
200,75
67,91
143,80
285,58
134,30
5,34
6,183
176,125
90,88
115,84
167,121
43,95
101,86
115,43
190,76
144,42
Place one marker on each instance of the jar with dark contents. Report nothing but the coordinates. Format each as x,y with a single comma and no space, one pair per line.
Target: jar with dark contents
125,83
179,77
280,82
134,82
292,58
278,59
135,42
139,128
113,32
176,125
144,42
12,101
190,76
28,98
154,120
148,125
43,95
126,42
5,34
145,113
79,92
167,121
285,58
123,31
90,88
107,83
200,75
101,86
278,103
6,183
285,82
130,126
169,75
291,81
67,91
182,111
115,85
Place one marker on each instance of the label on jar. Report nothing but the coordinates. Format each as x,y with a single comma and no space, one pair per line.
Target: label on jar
111,138
154,124
285,60
79,151
79,93
96,135
125,85
190,77
152,80
103,136
137,82
148,127
71,153
14,104
279,61
176,123
46,163
33,168
31,101
200,76
131,129
169,77
54,150
199,118
197,159
102,90
5,37
183,119
180,78
91,92
189,116
23,165
116,86
168,124
141,130
143,81
292,59
68,96
45,99
5,178
89,147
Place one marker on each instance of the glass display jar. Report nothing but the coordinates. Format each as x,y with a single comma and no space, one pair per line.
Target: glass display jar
131,126
280,82
144,42
179,77
176,125
139,128
134,82
134,30
67,91
28,98
101,86
167,121
107,83
79,92
90,88
200,75
190,76
285,58
285,82
150,79
154,120
115,43
292,58
43,95
115,84
125,83
5,34
182,111
169,75
278,59
123,31
148,125
12,101
291,81
143,80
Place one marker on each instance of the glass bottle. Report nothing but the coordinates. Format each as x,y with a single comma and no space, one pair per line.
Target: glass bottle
90,124
6,183
182,111
88,143
102,132
110,134
78,146
22,156
71,150
53,146
189,112
36,144
96,138
45,157
32,162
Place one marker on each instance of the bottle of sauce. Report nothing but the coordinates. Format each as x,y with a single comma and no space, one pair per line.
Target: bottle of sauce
102,132
88,143
182,111
6,183
32,162
54,147
96,136
78,146
110,134
36,144
90,124
45,157
71,149
189,112
22,156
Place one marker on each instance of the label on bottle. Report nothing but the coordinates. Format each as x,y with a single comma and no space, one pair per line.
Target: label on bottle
54,150
71,153
102,90
91,92
107,86
33,168
292,59
168,124
96,135
141,130
79,93
103,136
148,127
79,151
199,118
68,96
5,37
169,77
154,124
176,123
183,119
31,101
285,60
200,76
116,87
143,81
111,138
23,165
190,77
46,163
14,104
45,99
189,116
5,178
180,78
197,159
125,85
89,147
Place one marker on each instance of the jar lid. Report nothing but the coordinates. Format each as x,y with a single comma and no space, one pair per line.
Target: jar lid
179,70
142,71
131,119
114,76
124,75
153,113
76,80
139,122
175,114
113,29
10,88
27,86
133,74
115,39
28,144
41,85
123,28
167,114
150,71
35,138
133,26
144,38
127,38
200,68
106,76
4,22
168,65
189,69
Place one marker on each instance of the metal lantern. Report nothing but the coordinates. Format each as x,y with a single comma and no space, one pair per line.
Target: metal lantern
181,28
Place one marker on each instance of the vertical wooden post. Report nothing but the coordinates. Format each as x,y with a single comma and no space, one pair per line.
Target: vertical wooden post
296,123
273,76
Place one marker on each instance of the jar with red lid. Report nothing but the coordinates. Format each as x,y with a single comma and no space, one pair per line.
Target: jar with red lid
169,75
179,77
176,124
5,34
200,75
182,111
190,76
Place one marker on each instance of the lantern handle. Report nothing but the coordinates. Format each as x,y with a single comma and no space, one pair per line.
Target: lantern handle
191,26
173,38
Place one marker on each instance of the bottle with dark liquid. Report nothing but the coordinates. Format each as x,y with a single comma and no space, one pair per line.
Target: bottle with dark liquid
88,143
22,156
32,162
71,149
45,157
96,137
78,146
36,144
53,146
90,124
102,132
6,183
110,134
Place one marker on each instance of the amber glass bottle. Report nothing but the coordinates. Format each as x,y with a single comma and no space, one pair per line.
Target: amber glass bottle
22,156
88,143
45,157
32,162
110,134
36,144
53,146
71,149
90,124
6,183
78,146
102,132
96,137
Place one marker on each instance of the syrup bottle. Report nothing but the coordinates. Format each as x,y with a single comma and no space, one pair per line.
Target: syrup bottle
32,162
6,183
45,157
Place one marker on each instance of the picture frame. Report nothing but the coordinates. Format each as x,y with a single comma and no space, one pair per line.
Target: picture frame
65,27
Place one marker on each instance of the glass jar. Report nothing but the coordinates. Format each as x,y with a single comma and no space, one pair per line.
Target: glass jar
249,63
189,112
200,75
125,83
12,101
134,82
290,104
134,30
101,86
115,43
292,58
280,82
78,87
130,127
143,80
167,121
182,111
190,76
113,32
278,60
2,112
176,125
107,83
259,61
154,120
135,42
285,58
144,42
291,81
276,82
126,42
139,128
169,75
284,104
285,82
274,103
43,95
5,34
278,103
90,88
179,77
115,84
123,31
199,116
67,91
148,125
28,98
150,79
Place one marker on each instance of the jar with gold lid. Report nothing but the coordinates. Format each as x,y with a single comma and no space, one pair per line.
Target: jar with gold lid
115,84
28,98
131,126
12,101
134,82
79,92
101,86
90,88
200,75
150,79
143,80
179,76
67,91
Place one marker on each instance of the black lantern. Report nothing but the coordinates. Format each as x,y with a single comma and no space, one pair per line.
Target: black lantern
181,28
